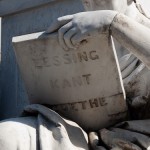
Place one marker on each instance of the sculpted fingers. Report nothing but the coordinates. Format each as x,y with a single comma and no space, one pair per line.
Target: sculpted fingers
67,37
122,139
76,39
129,80
94,141
136,138
139,101
61,21
66,18
126,60
129,69
61,33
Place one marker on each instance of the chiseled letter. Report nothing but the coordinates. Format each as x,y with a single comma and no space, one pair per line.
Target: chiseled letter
67,59
56,61
93,103
87,78
102,102
77,81
66,84
54,84
83,56
93,55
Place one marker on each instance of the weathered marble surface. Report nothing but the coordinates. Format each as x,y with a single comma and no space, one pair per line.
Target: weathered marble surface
77,83
114,138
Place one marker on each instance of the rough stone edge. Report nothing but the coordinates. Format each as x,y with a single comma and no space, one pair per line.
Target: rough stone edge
32,36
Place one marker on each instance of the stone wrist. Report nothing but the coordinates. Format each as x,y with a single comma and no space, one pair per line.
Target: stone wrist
113,20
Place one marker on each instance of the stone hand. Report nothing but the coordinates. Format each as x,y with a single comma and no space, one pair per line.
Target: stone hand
131,135
136,82
73,29
123,138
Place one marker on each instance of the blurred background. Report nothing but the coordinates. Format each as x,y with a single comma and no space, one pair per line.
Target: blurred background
146,3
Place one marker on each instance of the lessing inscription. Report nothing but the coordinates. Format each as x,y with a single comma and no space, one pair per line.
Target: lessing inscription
41,60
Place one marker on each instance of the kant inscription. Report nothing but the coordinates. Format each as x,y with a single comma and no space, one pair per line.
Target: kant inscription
72,82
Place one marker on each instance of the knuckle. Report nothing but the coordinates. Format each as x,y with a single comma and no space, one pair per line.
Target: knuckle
74,40
61,31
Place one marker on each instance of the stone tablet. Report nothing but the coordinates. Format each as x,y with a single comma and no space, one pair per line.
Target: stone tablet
83,84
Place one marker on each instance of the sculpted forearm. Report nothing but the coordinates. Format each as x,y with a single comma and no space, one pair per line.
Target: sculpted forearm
132,35
143,20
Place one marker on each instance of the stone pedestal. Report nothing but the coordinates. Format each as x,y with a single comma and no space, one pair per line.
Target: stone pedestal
23,17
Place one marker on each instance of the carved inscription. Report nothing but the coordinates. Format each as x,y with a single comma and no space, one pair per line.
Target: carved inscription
117,116
72,82
65,59
81,105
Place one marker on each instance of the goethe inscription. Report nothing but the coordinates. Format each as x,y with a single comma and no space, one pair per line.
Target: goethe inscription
83,85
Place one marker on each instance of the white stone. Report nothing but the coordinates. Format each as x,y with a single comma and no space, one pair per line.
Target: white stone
82,84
